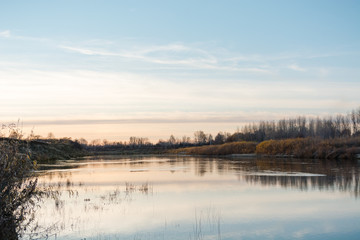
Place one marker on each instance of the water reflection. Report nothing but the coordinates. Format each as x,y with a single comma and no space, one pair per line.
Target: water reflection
288,173
199,198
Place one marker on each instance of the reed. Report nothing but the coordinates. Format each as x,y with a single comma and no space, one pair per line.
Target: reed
223,149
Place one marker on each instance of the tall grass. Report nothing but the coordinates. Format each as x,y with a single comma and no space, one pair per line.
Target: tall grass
338,148
223,149
17,188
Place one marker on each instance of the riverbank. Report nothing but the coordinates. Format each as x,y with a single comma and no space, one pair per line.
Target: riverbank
311,148
217,150
42,150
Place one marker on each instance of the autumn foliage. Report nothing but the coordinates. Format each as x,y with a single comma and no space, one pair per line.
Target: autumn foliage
339,148
223,149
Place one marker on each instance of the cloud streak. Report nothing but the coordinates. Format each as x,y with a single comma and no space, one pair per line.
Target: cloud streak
10,35
5,34
90,51
182,57
176,55
296,68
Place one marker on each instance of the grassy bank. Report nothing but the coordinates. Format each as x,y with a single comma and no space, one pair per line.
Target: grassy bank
49,149
338,148
223,149
43,150
135,151
341,148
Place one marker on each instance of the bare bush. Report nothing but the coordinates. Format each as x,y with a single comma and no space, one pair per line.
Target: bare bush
17,186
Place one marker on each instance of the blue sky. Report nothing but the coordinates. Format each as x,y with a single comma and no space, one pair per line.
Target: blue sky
183,64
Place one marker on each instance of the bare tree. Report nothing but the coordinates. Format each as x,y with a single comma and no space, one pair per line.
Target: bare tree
200,137
172,140
220,138
50,135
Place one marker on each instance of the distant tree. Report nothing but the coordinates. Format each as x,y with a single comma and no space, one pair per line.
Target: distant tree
83,141
227,137
95,142
210,139
105,142
200,137
172,140
185,140
219,138
300,127
50,135
354,122
138,141
311,130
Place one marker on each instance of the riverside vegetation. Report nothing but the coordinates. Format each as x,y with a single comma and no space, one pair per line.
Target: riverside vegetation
18,191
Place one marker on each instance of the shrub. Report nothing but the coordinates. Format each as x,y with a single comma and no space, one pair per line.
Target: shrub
17,188
223,149
339,148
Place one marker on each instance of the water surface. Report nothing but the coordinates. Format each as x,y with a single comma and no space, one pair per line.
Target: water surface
116,197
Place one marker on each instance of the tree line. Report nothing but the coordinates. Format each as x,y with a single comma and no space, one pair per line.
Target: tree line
339,126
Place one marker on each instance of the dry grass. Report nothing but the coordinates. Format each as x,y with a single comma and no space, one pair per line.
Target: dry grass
223,149
339,148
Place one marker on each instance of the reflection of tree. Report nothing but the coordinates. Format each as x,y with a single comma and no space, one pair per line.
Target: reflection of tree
334,175
288,173
331,175
339,175
341,183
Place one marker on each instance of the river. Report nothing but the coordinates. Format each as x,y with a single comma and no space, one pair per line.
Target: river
159,197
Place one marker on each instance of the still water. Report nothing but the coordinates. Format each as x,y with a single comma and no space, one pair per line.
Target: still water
146,197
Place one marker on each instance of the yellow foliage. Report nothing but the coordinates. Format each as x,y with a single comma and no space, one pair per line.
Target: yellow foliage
311,147
223,149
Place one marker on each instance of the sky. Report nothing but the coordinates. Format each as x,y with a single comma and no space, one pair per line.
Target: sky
115,69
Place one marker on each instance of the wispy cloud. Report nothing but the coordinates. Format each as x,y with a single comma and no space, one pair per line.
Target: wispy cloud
182,56
288,56
5,34
177,55
90,51
201,56
297,68
10,34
